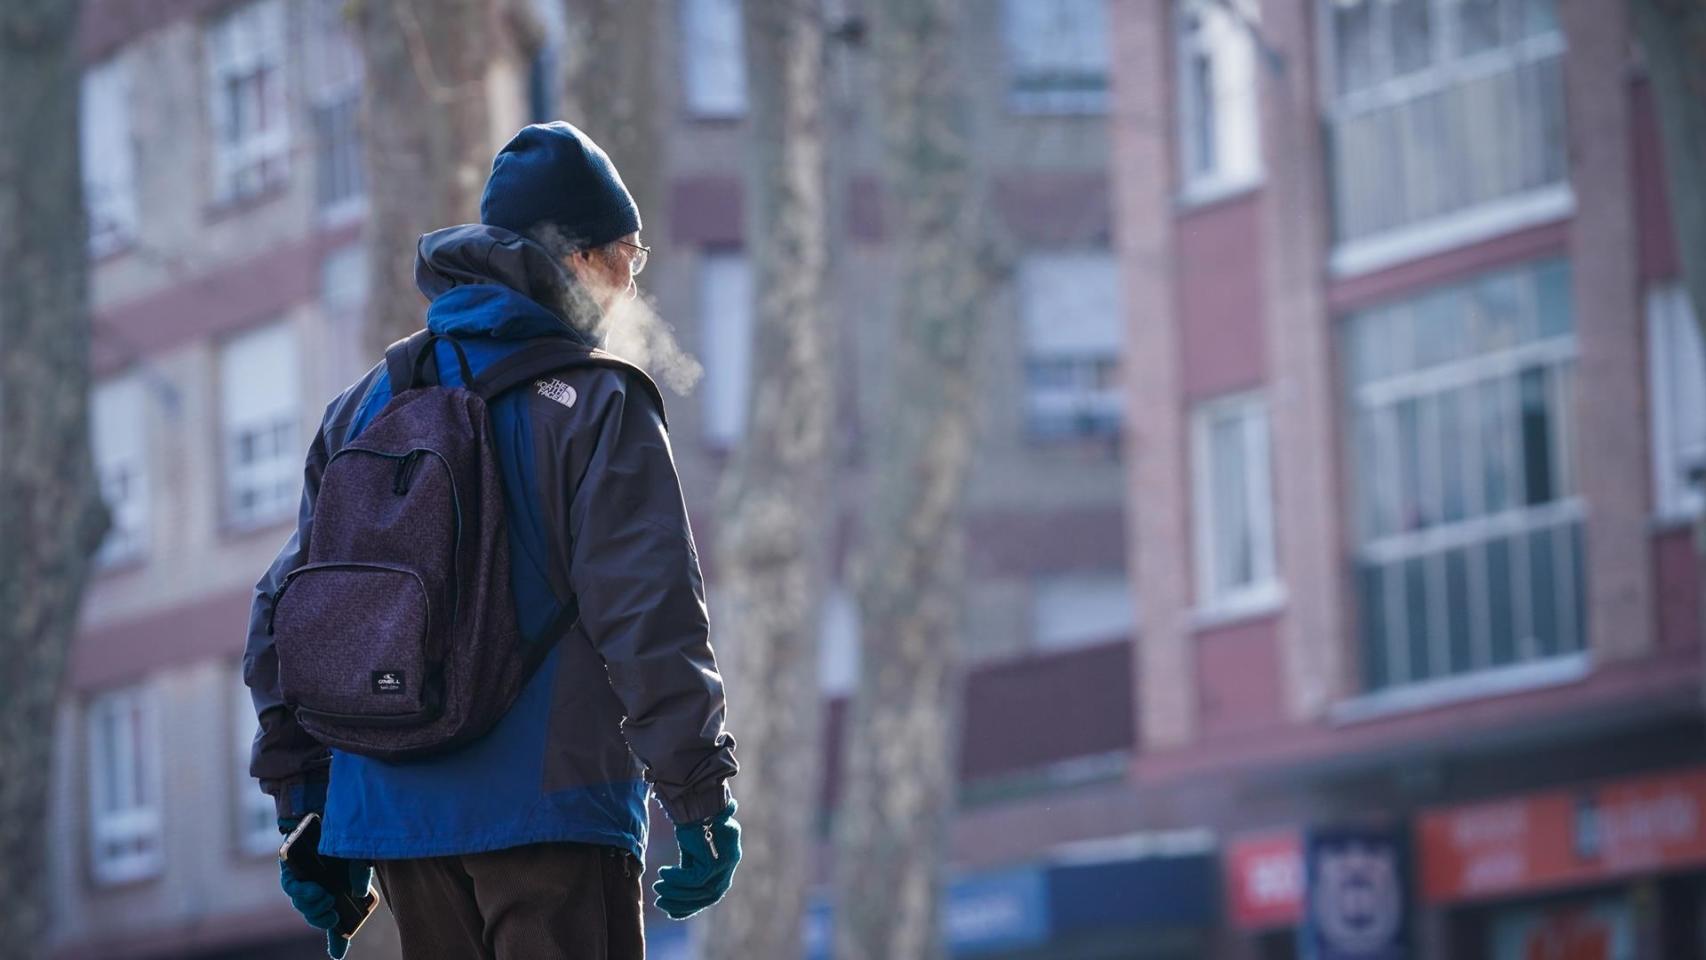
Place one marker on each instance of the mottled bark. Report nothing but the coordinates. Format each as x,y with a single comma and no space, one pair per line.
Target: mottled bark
444,89
51,517
892,821
775,509
1672,34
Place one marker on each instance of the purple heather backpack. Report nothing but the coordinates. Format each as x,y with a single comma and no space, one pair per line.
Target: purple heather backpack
397,637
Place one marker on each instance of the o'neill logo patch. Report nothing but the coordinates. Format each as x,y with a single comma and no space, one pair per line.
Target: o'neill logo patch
388,681
556,390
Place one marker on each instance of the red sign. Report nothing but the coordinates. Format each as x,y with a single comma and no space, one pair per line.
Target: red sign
1264,876
1564,838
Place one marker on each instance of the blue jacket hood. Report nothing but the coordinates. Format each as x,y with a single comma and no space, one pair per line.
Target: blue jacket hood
488,281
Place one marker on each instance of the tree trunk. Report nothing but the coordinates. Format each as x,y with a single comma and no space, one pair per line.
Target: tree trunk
444,90
775,510
51,517
900,787
1672,34
610,91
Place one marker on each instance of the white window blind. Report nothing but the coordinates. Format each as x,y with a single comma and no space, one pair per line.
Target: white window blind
259,393
725,325
1232,483
1219,137
1676,360
713,64
1069,305
247,101
118,424
124,785
1058,51
108,156
1079,609
256,815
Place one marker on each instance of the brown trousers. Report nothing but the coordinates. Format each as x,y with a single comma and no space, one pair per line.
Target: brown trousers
545,900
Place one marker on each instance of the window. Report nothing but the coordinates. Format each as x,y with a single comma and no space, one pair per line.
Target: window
1469,528
246,100
1439,107
259,413
1080,609
1233,504
119,427
1218,134
257,816
334,75
1058,50
725,327
713,62
838,642
124,786
108,157
1070,308
1676,361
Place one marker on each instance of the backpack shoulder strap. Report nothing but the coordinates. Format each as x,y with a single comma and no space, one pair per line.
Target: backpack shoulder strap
400,365
536,358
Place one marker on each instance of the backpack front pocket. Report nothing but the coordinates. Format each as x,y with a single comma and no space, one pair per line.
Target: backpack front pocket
353,644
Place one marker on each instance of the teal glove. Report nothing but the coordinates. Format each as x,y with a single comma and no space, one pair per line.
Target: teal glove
710,851
317,904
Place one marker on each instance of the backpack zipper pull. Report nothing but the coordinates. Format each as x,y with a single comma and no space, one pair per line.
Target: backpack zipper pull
710,841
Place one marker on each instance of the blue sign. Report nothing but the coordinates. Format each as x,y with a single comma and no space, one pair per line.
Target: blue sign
1357,895
995,911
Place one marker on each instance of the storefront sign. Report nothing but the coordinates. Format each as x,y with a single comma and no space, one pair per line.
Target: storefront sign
1598,930
1564,838
1357,896
1264,877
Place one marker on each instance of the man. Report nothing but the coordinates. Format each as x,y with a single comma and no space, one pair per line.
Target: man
529,841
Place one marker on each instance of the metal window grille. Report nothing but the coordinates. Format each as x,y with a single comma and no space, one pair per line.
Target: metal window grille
1469,526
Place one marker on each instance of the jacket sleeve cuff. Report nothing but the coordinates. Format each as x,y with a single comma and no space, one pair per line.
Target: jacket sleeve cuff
700,803
297,797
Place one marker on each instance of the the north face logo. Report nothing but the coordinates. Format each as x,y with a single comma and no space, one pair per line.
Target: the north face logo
556,390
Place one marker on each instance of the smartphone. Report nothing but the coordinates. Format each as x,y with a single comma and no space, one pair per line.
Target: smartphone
301,851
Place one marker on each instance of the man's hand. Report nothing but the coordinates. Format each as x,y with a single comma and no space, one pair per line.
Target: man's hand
317,904
710,851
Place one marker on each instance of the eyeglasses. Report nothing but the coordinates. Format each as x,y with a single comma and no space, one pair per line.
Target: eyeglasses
637,262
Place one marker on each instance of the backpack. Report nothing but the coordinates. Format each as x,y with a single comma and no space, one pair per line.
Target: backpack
397,637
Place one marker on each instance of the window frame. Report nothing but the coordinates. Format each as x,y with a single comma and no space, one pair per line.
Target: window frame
253,835
1425,235
1511,523
1670,322
711,432
1264,591
113,554
1095,410
286,461
265,151
334,78
1027,101
694,104
137,755
108,235
1222,179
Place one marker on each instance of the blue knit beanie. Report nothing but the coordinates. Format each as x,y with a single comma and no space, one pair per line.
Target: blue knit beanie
553,184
